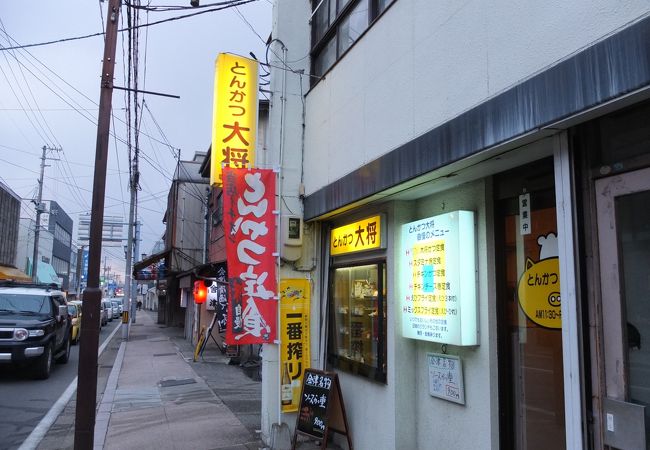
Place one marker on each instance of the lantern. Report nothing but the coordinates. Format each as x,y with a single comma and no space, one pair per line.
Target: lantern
200,292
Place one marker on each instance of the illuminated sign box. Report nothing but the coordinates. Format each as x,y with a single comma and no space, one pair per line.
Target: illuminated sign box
234,115
362,235
438,298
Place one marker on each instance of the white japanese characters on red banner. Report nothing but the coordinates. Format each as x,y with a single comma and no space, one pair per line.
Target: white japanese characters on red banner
250,228
438,298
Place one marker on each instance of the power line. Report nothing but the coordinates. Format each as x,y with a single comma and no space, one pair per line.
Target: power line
76,38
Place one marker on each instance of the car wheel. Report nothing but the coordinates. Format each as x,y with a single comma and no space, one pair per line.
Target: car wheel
43,366
66,355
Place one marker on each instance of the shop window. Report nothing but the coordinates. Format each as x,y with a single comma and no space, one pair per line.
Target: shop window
357,342
337,24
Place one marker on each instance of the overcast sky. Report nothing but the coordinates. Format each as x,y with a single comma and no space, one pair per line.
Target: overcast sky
49,95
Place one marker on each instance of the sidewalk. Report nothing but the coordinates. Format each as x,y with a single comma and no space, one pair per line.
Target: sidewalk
155,397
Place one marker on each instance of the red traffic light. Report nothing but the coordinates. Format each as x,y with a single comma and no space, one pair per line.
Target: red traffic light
200,292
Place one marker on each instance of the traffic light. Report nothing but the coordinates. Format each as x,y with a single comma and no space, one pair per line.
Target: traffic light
200,292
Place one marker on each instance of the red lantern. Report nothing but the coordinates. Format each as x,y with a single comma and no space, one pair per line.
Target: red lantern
200,292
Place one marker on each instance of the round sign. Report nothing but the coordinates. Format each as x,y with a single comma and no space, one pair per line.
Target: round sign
539,292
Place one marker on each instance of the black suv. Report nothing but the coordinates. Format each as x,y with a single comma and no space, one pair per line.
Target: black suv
35,328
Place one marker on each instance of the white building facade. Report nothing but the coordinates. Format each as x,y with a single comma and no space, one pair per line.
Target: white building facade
516,132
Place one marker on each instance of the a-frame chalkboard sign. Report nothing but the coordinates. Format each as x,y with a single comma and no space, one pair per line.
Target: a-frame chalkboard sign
321,409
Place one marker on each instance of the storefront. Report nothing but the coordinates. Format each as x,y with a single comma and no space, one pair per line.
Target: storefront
444,306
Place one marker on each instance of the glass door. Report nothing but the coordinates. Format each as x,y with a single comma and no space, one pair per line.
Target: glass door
623,207
529,319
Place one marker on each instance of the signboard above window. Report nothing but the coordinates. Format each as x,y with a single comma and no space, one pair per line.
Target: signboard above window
439,277
361,235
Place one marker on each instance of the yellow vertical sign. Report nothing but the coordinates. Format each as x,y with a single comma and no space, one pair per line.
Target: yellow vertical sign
234,114
294,333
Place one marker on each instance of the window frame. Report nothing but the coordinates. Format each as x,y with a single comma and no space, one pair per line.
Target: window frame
349,365
318,45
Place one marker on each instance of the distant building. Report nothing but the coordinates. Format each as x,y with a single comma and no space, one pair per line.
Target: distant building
60,225
9,219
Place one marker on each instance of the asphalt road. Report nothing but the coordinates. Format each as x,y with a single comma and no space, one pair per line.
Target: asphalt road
25,401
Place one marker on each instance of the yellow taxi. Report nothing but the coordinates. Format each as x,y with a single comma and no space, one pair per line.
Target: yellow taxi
74,310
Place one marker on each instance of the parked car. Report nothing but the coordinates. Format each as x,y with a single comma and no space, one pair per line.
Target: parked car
109,309
117,308
35,328
74,310
103,314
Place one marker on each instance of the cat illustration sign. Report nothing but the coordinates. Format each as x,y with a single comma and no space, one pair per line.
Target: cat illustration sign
538,290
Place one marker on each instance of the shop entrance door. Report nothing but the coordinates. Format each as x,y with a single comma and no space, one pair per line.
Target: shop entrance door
531,383
623,207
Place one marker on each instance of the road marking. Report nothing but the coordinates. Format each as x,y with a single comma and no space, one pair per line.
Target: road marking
38,433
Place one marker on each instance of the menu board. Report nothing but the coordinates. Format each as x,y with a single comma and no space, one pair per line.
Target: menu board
446,377
438,283
321,407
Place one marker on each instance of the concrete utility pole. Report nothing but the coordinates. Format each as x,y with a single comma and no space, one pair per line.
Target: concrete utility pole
80,253
84,434
127,301
39,210
134,292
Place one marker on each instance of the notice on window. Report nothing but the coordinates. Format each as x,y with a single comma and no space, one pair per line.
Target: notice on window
438,290
446,377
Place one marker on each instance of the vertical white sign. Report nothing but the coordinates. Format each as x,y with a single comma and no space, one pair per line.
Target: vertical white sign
524,214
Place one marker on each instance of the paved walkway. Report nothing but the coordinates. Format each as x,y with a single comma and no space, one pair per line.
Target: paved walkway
155,397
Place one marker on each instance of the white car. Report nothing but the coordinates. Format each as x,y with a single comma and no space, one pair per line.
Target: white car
117,308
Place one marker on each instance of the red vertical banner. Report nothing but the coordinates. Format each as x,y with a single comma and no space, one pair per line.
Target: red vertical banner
250,228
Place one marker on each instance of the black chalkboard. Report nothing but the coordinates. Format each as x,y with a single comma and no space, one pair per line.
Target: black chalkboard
321,408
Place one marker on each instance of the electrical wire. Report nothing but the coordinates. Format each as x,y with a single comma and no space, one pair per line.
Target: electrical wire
171,19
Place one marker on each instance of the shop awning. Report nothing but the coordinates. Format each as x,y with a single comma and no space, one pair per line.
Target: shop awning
11,273
153,267
46,274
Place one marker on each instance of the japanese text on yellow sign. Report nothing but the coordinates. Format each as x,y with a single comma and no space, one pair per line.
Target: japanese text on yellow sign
294,348
355,237
539,292
234,114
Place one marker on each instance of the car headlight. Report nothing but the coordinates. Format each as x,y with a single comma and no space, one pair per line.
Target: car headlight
36,333
20,334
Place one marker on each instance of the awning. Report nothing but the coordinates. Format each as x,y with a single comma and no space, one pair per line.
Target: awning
153,267
11,273
46,274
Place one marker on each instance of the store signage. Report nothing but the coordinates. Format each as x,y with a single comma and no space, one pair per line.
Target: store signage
250,229
524,214
446,377
322,410
294,339
439,294
234,115
355,237
218,296
538,289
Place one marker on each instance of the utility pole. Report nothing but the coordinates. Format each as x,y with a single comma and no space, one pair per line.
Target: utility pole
80,253
127,301
84,434
131,282
39,210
